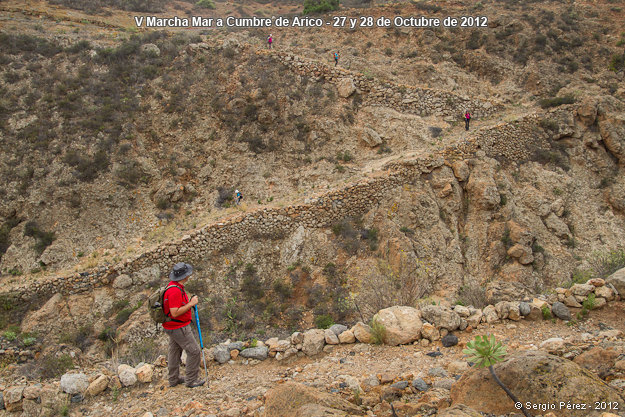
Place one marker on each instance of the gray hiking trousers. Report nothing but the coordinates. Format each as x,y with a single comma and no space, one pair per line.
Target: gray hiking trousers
179,340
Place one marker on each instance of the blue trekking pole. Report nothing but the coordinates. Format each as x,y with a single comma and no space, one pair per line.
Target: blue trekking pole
199,332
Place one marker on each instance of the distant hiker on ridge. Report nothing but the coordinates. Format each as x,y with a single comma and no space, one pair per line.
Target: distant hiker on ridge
467,118
270,40
336,58
177,307
237,197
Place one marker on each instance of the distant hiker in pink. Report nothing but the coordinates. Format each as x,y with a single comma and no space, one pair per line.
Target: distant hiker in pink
467,118
269,40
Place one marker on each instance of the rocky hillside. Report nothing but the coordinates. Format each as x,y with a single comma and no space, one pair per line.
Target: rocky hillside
121,150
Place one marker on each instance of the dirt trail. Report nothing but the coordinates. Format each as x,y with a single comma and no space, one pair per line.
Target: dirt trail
242,386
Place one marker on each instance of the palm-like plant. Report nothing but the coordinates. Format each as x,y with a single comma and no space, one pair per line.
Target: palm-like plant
485,351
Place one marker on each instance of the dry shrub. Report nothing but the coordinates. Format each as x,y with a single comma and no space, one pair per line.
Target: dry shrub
385,287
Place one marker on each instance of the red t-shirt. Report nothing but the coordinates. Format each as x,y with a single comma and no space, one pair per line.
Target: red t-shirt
176,299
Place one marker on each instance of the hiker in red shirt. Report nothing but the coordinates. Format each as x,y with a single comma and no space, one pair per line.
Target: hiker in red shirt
467,118
177,308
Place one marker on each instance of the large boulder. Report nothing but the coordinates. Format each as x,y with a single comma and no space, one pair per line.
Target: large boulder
403,324
536,377
362,332
74,383
482,188
314,340
617,280
13,398
145,373
291,399
561,311
371,137
347,337
221,353
441,317
97,386
127,375
346,87
259,353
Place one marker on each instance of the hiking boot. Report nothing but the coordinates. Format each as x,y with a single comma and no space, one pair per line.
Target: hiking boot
196,383
178,382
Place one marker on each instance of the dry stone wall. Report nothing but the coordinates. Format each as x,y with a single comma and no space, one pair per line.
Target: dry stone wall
513,141
319,212
403,98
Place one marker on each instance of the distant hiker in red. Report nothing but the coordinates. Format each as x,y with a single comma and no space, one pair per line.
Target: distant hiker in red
269,40
467,117
336,58
177,308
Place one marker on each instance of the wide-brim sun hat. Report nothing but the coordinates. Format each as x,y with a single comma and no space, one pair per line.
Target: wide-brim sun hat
180,271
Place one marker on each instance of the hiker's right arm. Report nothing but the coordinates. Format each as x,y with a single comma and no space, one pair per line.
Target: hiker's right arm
175,312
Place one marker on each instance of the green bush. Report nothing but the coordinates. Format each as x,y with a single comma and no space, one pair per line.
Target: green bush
546,312
123,315
324,321
589,303
53,367
320,6
605,263
206,4
10,336
378,332
406,230
617,62
29,341
556,101
44,239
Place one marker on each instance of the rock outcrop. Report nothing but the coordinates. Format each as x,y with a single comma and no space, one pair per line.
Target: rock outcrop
536,377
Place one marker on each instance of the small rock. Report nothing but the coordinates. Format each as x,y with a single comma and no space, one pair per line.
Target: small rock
314,341
145,373
554,344
437,371
561,311
457,367
400,385
297,338
571,301
337,329
420,385
428,331
371,381
444,383
32,392
121,282
449,340
362,332
330,337
347,337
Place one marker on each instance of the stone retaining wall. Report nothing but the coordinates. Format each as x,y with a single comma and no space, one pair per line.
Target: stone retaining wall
513,141
403,98
319,212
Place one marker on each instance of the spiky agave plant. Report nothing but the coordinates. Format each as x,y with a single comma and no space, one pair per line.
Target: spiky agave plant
485,351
